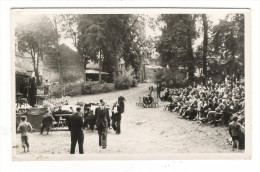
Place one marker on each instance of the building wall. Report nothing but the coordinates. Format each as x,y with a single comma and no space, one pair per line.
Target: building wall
71,66
18,59
121,69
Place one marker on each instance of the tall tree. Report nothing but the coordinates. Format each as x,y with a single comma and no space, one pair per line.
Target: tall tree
228,38
106,35
135,43
205,46
175,43
55,21
36,39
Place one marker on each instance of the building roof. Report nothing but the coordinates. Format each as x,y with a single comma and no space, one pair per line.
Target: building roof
153,67
20,71
91,71
92,65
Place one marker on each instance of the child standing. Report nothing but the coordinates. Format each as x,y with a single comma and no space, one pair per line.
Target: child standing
234,131
24,127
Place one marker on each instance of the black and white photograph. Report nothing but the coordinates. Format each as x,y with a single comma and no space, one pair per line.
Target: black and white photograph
130,84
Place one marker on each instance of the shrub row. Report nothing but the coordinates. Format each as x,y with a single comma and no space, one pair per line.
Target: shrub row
124,82
91,87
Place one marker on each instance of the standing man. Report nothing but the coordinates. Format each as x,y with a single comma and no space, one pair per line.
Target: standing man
75,125
47,88
32,91
102,123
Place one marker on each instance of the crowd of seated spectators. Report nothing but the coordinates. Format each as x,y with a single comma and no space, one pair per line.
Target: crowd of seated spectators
210,104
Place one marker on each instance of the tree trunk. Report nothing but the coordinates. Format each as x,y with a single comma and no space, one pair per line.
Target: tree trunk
84,63
205,47
60,74
37,71
190,56
35,67
100,68
58,51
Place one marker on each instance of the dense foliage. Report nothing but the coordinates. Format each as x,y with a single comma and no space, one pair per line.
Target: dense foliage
175,44
107,38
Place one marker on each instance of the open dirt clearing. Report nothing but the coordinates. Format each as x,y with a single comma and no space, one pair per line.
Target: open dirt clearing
151,130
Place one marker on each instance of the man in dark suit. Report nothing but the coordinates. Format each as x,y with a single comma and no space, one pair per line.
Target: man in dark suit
75,125
102,123
47,121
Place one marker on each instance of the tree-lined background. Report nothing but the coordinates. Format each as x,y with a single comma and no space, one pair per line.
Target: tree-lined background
107,38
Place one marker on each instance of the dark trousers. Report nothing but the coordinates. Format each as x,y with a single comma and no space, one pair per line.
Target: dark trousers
183,110
47,127
91,126
192,115
116,124
226,117
102,136
74,139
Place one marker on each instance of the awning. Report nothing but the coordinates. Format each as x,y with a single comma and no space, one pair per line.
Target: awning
20,71
153,67
91,71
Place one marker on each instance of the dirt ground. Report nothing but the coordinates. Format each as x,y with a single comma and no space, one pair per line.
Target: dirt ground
149,130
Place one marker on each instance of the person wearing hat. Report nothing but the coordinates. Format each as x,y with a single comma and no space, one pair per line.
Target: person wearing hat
102,123
121,109
24,127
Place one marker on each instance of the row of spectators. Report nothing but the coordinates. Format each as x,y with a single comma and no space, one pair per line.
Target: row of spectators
212,104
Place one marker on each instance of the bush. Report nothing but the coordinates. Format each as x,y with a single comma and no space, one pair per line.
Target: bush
134,83
106,89
94,87
70,78
123,83
71,89
56,91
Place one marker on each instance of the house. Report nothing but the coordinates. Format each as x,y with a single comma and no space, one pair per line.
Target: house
72,68
92,72
121,67
22,76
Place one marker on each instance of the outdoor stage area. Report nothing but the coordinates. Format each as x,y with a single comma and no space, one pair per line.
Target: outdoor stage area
144,130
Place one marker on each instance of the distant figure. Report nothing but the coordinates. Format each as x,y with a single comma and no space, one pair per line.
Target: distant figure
158,90
102,123
151,90
24,127
47,121
32,92
115,116
120,108
234,131
76,125
47,88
